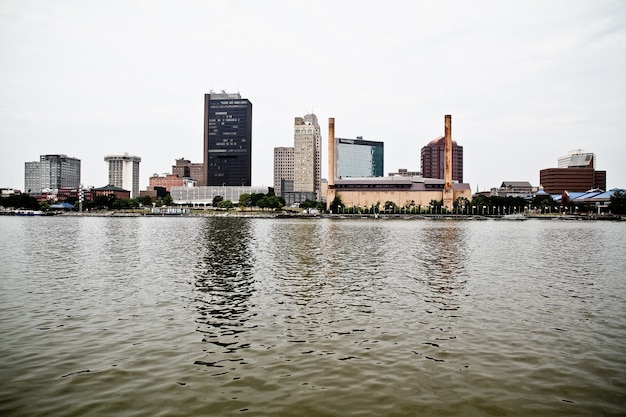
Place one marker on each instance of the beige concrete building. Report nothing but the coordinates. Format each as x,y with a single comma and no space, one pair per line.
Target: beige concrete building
298,169
283,170
307,153
402,191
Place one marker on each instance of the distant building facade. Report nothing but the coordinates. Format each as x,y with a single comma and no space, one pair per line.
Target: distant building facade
577,159
403,172
227,140
558,180
184,168
307,156
522,189
433,161
51,172
358,158
124,172
168,181
283,169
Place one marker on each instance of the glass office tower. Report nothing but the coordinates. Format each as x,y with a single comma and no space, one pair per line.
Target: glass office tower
358,158
52,172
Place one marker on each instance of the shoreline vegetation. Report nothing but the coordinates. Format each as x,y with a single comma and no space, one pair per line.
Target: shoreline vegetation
303,214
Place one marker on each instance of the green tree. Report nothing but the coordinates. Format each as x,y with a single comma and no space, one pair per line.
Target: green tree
225,204
217,199
254,199
436,206
479,200
20,201
308,204
102,201
168,200
390,206
544,201
334,205
146,200
245,200
617,205
276,202
461,202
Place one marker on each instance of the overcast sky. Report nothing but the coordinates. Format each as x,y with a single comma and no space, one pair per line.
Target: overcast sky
524,81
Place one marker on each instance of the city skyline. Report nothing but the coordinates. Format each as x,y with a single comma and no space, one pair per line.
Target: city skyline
526,82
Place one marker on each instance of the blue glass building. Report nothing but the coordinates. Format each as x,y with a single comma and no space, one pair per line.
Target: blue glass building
358,158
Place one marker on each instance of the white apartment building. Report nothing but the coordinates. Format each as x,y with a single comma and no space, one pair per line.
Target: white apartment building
124,172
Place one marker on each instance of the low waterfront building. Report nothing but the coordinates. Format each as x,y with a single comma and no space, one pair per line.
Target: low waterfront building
597,198
109,191
202,196
402,191
521,189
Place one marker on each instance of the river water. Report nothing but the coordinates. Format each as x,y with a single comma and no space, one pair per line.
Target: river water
311,317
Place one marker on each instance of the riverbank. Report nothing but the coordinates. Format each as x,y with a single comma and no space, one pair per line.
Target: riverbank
302,214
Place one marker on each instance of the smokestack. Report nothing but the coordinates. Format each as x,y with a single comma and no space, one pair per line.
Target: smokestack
448,153
448,195
331,152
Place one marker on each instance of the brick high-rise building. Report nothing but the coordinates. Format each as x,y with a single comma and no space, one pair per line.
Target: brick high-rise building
184,168
433,161
557,180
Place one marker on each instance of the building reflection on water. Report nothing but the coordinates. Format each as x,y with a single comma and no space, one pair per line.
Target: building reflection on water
224,284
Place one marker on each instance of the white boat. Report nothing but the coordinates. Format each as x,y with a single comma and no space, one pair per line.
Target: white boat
517,216
22,212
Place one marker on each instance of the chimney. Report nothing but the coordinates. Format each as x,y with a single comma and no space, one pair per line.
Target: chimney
448,195
330,192
331,152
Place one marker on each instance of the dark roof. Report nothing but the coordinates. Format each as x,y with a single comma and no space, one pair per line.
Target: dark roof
516,184
110,187
440,140
412,183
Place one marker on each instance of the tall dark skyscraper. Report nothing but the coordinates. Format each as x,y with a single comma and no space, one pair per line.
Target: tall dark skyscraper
227,140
